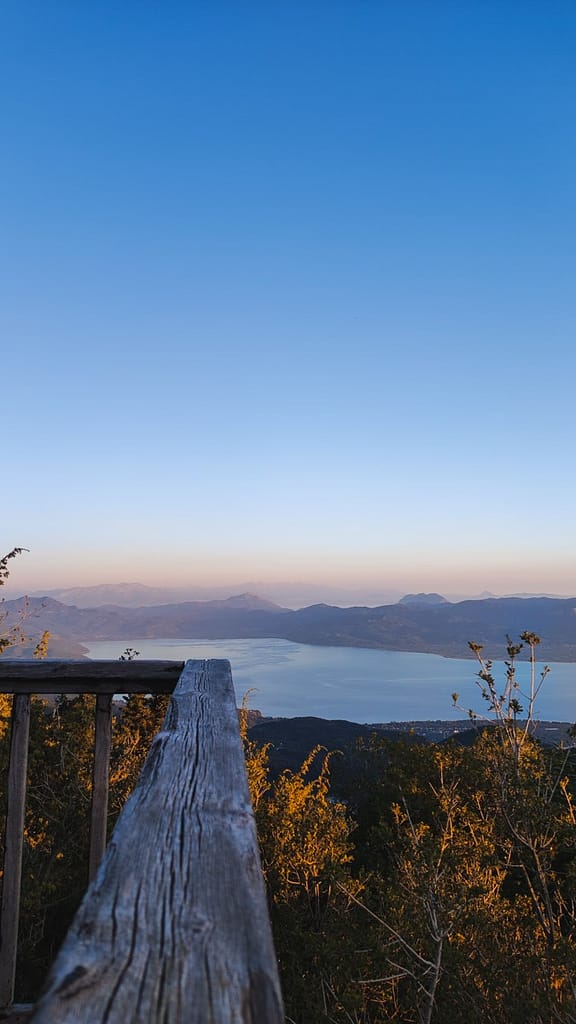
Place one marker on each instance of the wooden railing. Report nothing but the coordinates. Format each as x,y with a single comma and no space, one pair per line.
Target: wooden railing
174,926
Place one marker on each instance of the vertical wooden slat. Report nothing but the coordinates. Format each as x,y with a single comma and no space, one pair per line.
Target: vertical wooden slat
102,747
13,846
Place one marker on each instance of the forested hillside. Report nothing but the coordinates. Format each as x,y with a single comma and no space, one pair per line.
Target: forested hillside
421,883
408,882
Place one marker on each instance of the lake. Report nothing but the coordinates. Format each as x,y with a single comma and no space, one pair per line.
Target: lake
350,682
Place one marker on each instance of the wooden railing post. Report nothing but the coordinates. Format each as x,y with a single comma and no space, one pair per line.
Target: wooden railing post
100,783
13,846
175,926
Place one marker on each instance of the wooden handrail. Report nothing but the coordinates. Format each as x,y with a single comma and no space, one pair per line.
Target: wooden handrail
22,678
175,925
89,676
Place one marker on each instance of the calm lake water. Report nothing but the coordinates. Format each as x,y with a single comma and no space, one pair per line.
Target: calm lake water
350,682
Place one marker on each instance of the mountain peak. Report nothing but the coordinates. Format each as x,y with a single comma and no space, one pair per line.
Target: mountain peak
250,602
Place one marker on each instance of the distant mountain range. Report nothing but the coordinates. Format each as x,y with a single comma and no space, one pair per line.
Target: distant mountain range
138,595
437,627
288,595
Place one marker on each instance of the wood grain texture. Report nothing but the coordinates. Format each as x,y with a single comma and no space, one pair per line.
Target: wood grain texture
100,781
13,846
175,927
89,676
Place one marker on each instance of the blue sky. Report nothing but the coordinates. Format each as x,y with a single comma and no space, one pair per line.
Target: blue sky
287,292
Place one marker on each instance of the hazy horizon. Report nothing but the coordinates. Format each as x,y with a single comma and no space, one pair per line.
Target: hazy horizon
290,593
287,294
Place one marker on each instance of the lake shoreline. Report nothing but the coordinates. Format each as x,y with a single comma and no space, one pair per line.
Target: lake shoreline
562,654
357,684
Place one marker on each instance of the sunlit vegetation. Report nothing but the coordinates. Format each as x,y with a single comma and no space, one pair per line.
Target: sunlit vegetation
442,879
407,882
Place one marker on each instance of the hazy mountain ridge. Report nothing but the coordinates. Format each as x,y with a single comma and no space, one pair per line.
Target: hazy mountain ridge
139,595
443,628
287,595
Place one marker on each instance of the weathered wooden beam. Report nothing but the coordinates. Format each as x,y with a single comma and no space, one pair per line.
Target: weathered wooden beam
175,929
13,846
100,785
89,676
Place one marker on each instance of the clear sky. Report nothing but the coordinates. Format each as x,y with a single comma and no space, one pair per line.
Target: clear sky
288,292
